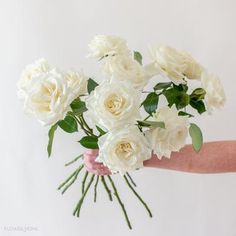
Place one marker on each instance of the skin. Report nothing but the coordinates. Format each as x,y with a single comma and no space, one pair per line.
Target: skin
214,157
92,166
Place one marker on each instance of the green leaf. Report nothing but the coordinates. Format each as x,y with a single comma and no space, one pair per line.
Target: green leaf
183,113
138,57
151,102
160,86
198,94
91,85
179,98
101,131
156,124
196,135
89,142
198,105
51,133
69,124
78,106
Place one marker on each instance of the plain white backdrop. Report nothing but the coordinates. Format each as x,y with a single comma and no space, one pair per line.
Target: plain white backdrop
183,204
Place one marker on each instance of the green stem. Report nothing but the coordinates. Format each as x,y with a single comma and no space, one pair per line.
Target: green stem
69,178
85,127
147,117
80,123
86,124
73,161
106,188
131,179
84,181
120,202
95,189
137,195
75,177
79,204
82,126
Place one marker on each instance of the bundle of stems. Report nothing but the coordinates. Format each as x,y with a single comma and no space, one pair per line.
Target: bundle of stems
88,179
108,184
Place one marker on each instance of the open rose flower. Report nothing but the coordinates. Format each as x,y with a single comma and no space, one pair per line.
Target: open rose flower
41,66
193,69
49,97
108,45
123,149
113,103
77,82
173,137
127,69
215,95
170,62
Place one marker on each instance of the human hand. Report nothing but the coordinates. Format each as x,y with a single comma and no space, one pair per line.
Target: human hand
92,166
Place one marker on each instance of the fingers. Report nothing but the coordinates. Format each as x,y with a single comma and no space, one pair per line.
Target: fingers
102,171
97,168
92,166
92,152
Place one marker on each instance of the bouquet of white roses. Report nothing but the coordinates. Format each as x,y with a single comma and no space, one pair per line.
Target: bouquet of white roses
111,113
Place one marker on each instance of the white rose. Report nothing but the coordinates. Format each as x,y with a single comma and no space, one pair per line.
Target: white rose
173,137
107,45
113,103
77,82
170,62
152,70
215,95
49,97
41,66
127,69
123,150
193,69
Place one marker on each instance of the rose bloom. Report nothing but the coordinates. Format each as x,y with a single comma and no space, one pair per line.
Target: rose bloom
127,69
123,149
113,103
77,82
193,69
173,137
108,45
41,66
49,97
215,95
170,62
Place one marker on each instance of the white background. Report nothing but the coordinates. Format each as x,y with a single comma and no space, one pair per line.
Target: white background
183,204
